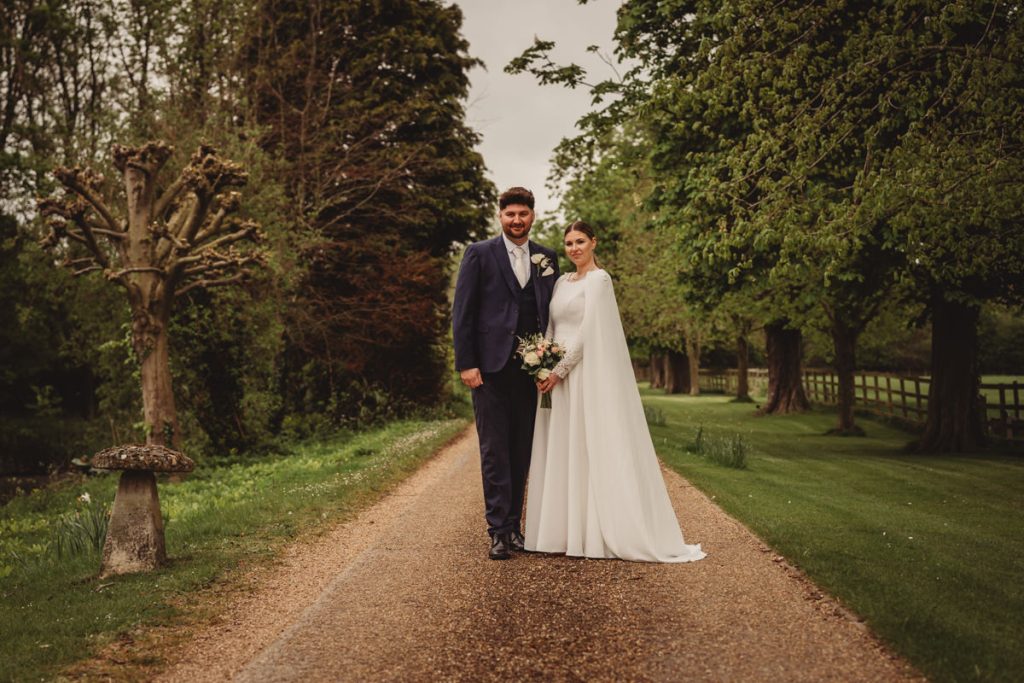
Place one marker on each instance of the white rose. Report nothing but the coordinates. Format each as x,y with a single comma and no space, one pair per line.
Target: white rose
543,374
537,258
531,358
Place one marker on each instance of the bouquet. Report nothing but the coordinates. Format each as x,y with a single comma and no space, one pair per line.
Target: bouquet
540,356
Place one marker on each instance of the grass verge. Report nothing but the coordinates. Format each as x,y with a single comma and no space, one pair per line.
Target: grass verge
928,549
57,612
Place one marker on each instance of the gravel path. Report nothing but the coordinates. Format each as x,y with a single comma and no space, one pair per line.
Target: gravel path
406,592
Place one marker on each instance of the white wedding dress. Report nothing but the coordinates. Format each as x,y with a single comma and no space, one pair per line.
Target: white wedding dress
595,487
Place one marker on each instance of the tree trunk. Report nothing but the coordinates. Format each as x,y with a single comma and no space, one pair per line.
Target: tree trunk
151,294
693,358
158,409
955,422
677,373
657,369
785,381
844,340
641,372
742,368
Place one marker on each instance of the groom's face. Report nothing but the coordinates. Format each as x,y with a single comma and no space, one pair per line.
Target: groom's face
516,221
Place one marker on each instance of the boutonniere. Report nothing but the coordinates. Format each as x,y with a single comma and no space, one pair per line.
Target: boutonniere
543,264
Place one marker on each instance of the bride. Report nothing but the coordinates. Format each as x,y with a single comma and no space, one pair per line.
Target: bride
595,486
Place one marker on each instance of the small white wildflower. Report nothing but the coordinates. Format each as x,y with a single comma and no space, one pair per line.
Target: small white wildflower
85,498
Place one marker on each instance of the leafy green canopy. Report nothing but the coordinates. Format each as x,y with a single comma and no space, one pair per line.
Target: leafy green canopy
817,153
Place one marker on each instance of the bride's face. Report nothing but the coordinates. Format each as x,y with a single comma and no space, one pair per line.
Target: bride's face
579,248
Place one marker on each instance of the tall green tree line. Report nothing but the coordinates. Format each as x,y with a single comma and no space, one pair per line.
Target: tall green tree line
825,159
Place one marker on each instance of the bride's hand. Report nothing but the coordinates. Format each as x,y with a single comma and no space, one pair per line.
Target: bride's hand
548,384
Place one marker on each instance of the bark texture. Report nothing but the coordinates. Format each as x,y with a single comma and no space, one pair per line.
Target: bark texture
657,369
677,373
693,363
844,341
785,380
955,422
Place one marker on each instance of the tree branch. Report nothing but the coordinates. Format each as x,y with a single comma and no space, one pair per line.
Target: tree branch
71,178
87,269
215,224
89,239
237,277
247,230
168,197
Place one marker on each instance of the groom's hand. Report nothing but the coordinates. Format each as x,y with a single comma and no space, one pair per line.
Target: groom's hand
471,378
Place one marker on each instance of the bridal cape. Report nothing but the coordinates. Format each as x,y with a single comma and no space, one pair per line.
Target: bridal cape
595,486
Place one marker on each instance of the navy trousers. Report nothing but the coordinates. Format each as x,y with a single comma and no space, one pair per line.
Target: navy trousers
505,407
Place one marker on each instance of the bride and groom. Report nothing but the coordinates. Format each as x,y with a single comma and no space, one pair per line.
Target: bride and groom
596,489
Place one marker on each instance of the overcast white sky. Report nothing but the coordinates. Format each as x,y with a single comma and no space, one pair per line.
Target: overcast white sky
521,121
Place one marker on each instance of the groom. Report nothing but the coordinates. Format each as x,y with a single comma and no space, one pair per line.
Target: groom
501,294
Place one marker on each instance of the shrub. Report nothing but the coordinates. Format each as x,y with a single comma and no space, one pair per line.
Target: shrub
655,416
727,452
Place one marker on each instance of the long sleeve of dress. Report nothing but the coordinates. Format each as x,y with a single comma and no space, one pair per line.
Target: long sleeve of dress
570,359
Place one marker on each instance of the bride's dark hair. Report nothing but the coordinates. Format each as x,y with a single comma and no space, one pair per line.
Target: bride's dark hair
581,226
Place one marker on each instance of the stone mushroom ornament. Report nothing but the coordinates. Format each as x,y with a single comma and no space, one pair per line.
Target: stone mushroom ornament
135,535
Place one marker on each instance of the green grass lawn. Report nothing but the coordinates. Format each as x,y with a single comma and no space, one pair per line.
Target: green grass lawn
928,549
55,610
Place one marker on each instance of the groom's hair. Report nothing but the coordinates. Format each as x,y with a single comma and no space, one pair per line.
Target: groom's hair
515,195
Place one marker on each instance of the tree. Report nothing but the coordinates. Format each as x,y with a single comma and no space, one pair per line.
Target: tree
365,101
833,150
165,244
921,102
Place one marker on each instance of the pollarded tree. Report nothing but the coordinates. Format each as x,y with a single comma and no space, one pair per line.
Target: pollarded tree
164,243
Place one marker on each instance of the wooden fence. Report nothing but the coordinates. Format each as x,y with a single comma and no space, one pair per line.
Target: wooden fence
725,381
904,397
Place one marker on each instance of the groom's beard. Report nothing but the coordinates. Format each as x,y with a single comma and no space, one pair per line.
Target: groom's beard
517,231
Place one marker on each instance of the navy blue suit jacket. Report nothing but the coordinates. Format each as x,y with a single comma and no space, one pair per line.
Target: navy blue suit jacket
486,307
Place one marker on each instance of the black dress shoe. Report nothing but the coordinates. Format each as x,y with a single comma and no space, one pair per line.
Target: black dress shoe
499,547
517,542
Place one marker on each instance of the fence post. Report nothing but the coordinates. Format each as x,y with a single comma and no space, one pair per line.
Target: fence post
888,394
917,395
903,397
